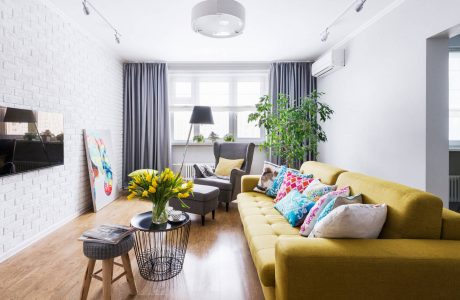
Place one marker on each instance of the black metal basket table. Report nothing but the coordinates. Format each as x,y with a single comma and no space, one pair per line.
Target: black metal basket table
160,249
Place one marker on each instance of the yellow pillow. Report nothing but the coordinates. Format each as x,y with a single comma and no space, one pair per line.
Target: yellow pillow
225,166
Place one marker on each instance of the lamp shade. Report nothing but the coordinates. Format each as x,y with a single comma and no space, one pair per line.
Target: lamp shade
18,115
201,115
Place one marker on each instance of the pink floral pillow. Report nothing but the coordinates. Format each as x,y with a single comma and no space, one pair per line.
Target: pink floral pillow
315,211
293,181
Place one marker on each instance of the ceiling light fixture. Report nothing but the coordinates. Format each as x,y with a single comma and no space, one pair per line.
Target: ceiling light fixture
357,5
218,18
86,11
85,7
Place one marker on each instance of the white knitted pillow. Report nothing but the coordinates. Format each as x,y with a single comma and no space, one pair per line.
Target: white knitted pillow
353,221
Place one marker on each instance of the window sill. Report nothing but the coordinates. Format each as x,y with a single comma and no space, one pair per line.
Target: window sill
208,144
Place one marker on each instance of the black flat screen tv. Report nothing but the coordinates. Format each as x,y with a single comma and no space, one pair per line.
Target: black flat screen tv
30,140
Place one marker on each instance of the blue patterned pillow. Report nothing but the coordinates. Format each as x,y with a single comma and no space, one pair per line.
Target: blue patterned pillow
294,207
278,181
339,201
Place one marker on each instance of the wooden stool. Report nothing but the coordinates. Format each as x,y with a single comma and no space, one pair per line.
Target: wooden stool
107,253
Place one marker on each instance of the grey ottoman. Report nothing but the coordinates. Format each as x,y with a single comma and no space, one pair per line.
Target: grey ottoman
203,201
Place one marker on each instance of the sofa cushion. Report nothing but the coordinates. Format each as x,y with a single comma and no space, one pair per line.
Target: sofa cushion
269,173
294,207
293,181
412,214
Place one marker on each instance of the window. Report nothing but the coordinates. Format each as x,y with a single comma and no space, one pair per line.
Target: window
232,96
454,99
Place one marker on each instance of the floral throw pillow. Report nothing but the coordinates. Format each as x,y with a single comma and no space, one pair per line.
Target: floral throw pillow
316,189
269,173
339,201
314,213
293,181
294,207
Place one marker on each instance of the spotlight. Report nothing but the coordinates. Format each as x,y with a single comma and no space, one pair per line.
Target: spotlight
85,7
324,35
117,37
359,5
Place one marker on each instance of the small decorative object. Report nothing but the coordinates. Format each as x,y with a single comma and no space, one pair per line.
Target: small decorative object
159,188
229,137
198,138
103,180
30,136
60,137
288,127
176,215
47,135
213,136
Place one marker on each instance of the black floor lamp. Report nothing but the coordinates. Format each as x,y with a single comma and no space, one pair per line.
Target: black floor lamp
18,115
200,115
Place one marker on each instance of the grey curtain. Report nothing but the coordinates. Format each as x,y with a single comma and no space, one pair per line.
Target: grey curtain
294,80
145,118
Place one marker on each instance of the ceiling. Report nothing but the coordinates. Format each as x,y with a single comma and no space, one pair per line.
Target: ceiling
159,30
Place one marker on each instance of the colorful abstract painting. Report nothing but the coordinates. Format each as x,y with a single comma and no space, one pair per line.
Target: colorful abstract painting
98,149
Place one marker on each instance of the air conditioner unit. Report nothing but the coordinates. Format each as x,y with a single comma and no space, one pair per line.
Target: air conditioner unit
329,63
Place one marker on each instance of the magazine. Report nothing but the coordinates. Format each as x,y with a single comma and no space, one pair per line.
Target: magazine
107,234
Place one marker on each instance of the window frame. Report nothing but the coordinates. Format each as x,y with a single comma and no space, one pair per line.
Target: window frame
233,77
453,144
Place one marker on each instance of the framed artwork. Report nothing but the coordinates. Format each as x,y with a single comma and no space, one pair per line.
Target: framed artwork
98,145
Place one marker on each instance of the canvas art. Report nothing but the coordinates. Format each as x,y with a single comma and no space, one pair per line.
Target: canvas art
98,154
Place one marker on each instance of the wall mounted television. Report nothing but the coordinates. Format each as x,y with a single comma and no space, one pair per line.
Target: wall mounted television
30,140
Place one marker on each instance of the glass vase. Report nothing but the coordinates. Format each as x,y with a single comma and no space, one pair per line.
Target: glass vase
159,213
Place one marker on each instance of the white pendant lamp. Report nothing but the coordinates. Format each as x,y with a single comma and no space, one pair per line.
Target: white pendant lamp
218,18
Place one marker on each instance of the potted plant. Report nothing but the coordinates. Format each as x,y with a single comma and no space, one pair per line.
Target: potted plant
159,188
199,138
30,136
291,132
213,136
229,137
47,135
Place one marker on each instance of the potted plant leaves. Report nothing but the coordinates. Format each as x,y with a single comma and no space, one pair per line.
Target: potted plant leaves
199,138
229,137
213,137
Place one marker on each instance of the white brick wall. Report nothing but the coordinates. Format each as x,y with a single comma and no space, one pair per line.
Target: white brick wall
47,63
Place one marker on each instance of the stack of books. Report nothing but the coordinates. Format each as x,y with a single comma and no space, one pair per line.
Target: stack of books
107,234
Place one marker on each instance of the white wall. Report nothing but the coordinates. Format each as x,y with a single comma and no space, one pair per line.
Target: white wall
48,64
380,97
205,154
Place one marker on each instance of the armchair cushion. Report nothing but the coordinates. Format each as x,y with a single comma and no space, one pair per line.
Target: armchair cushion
225,166
222,184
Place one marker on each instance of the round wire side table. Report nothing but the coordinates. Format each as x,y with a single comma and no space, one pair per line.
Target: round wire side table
160,249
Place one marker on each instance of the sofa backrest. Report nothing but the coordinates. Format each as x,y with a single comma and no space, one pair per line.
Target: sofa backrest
412,214
327,173
450,225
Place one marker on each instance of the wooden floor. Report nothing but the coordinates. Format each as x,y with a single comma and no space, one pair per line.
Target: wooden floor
218,264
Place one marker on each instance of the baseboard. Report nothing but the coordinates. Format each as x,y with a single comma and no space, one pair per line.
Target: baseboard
41,235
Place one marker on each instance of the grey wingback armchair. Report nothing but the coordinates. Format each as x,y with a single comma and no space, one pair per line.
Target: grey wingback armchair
229,187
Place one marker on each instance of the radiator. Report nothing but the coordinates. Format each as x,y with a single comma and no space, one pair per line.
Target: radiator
454,188
188,171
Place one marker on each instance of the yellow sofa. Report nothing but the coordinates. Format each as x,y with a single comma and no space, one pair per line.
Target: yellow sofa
416,257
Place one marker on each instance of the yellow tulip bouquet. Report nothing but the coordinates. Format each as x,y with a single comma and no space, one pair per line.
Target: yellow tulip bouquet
159,188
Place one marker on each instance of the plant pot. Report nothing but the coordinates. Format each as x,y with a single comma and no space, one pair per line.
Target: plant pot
160,213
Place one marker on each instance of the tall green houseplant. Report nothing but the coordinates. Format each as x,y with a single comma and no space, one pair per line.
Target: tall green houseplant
292,132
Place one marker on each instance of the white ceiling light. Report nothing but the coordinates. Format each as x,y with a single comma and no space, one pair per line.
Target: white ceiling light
218,18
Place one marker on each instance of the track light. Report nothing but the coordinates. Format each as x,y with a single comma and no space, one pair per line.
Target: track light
324,35
86,11
359,5
85,7
117,37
